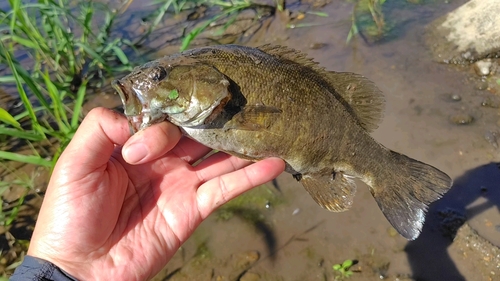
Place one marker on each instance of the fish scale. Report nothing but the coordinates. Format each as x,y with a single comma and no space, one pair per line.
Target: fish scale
273,101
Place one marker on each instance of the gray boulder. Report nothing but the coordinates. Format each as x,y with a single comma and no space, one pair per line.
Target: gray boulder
467,34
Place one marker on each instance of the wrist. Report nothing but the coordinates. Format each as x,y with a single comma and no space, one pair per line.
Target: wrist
33,268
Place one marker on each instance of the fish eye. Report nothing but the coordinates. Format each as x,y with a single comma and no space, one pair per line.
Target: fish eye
159,73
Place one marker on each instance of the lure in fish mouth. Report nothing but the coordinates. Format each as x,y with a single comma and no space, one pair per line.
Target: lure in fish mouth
185,95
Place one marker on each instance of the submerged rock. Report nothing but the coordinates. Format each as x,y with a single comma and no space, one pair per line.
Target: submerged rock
467,34
461,119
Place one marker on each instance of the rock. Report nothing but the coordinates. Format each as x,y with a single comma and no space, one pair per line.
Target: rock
246,259
482,85
317,45
467,34
483,67
490,102
461,119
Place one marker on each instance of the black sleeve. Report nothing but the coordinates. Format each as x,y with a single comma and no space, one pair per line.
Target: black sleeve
35,269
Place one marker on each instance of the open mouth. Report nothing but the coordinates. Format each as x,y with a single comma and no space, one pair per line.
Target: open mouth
134,109
136,122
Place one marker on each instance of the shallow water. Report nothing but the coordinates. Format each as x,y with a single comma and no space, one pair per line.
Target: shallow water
308,240
298,240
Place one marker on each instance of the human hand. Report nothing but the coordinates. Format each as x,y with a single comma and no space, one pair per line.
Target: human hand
120,214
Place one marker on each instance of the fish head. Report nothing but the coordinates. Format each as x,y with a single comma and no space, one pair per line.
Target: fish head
185,94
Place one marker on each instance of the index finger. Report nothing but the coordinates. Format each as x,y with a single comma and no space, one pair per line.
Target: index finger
225,187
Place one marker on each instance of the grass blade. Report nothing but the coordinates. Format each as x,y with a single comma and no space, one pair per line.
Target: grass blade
26,135
31,159
59,112
7,118
20,40
80,95
22,93
121,55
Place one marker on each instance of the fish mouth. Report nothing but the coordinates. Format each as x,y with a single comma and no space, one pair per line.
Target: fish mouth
135,110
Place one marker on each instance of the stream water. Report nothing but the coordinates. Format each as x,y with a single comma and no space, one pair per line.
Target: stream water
291,238
295,239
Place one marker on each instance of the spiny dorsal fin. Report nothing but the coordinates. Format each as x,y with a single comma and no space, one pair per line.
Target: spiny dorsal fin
290,54
365,99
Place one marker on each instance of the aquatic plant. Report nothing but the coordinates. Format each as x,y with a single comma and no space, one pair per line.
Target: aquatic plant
228,8
367,15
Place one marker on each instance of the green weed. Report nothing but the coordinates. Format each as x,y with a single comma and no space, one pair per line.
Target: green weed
67,49
367,15
343,270
228,8
52,52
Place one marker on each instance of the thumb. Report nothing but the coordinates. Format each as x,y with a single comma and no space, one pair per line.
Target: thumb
94,141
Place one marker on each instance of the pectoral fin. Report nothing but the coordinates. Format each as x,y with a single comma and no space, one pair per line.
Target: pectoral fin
332,192
253,118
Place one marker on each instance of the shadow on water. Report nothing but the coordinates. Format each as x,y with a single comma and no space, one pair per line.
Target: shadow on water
255,218
428,255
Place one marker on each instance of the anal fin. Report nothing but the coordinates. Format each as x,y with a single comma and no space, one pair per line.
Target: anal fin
332,192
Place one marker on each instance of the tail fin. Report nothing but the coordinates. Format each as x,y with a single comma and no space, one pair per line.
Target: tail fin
405,198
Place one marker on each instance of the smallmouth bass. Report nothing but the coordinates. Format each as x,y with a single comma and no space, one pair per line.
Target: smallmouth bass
273,101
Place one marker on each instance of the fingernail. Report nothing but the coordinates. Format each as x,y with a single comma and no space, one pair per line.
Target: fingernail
135,152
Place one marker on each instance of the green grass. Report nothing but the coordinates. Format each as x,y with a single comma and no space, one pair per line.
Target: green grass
66,52
53,53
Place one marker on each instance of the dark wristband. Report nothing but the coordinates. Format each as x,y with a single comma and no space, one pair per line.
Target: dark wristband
40,270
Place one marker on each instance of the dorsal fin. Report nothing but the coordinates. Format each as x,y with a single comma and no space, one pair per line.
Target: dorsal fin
365,99
290,54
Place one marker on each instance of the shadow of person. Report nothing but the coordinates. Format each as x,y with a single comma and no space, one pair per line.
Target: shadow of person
428,255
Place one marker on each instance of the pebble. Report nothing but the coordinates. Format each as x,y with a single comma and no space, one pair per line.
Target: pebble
482,85
246,259
492,138
461,119
483,67
250,276
490,102
456,97
449,97
317,45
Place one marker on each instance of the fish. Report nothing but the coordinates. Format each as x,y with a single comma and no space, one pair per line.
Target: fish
274,101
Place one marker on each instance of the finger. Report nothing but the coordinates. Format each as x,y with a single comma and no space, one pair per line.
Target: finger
151,143
218,164
95,140
221,189
190,150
